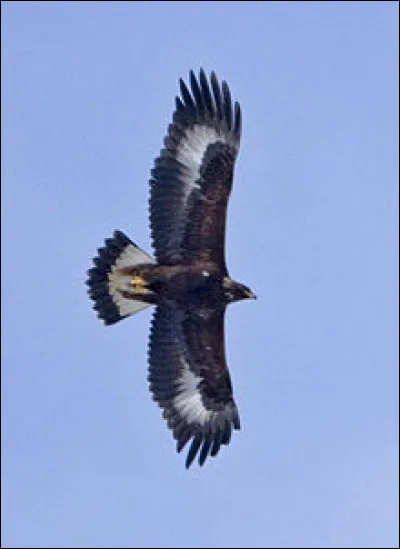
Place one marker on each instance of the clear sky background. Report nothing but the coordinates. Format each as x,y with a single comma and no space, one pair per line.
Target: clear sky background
87,93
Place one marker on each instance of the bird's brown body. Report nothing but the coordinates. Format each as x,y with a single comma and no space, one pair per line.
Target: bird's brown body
187,286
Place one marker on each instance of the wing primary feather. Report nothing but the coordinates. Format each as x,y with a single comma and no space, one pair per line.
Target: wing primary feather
180,429
217,94
204,450
183,439
216,444
238,121
187,98
179,105
236,422
226,435
206,93
196,93
227,104
194,448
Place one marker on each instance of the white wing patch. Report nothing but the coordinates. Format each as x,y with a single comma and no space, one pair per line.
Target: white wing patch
191,149
188,402
190,153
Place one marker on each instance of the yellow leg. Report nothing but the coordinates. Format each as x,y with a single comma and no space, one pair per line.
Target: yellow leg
139,285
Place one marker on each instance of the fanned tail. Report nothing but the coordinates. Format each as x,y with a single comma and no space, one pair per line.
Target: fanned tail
109,286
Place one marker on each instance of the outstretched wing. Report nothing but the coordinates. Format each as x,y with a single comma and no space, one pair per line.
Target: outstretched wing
192,178
189,379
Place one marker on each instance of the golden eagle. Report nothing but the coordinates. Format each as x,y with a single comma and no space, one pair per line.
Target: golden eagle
188,280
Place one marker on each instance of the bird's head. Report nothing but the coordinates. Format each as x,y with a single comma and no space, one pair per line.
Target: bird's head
234,291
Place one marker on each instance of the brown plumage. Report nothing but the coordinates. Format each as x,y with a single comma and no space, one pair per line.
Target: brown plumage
188,280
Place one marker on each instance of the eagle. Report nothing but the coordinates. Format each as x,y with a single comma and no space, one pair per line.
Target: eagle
187,280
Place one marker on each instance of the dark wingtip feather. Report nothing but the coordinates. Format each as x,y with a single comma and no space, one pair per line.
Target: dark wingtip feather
197,93
216,444
204,450
194,448
227,104
185,93
204,101
236,422
217,93
226,435
183,439
238,121
179,105
206,92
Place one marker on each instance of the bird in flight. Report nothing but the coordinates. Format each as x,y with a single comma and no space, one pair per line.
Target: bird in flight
187,280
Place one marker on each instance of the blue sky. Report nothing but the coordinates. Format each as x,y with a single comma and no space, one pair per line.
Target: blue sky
87,93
